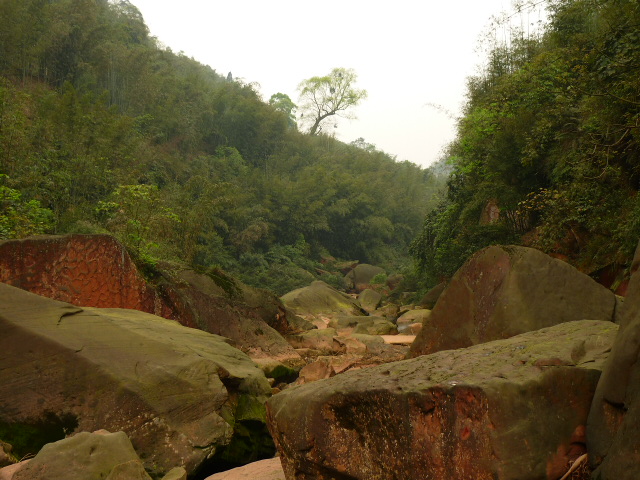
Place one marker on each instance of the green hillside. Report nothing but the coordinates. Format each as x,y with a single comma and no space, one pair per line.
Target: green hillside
549,138
102,129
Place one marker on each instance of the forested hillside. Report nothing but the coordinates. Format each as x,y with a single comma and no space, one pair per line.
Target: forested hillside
547,150
104,130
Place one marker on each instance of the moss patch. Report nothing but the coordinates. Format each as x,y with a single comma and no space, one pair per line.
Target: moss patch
29,438
224,281
282,373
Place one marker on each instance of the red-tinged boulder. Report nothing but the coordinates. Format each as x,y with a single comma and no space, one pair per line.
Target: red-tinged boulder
511,409
269,469
183,396
97,271
614,445
89,270
503,291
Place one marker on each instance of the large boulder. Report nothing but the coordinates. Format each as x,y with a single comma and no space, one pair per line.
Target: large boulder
321,301
614,445
509,409
182,395
361,276
369,300
97,271
431,297
216,303
85,455
504,291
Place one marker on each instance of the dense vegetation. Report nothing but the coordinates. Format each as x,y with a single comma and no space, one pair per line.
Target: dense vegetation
104,130
549,136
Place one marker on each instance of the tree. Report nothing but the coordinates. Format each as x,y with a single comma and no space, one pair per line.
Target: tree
324,97
283,103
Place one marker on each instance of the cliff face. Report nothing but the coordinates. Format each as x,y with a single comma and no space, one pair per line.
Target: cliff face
95,273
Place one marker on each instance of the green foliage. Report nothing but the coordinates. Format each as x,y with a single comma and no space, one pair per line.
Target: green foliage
137,217
549,136
283,103
20,218
102,130
28,438
224,281
379,279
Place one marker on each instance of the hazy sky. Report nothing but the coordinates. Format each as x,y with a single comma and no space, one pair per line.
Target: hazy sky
408,54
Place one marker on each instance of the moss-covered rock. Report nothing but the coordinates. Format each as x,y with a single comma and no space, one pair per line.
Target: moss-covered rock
361,276
369,300
320,299
511,409
503,291
175,391
85,455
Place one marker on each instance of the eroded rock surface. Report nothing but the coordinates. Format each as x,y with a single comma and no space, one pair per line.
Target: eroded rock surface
505,291
180,394
89,270
614,444
509,409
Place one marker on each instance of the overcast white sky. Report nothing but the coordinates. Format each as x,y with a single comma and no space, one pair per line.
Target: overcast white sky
407,54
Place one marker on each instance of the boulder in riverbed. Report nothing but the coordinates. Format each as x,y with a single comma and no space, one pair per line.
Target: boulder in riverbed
216,303
86,455
614,445
503,291
369,325
370,300
269,469
321,301
360,277
183,396
511,409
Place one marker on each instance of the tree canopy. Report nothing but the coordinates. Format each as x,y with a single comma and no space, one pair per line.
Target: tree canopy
549,138
324,97
283,103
